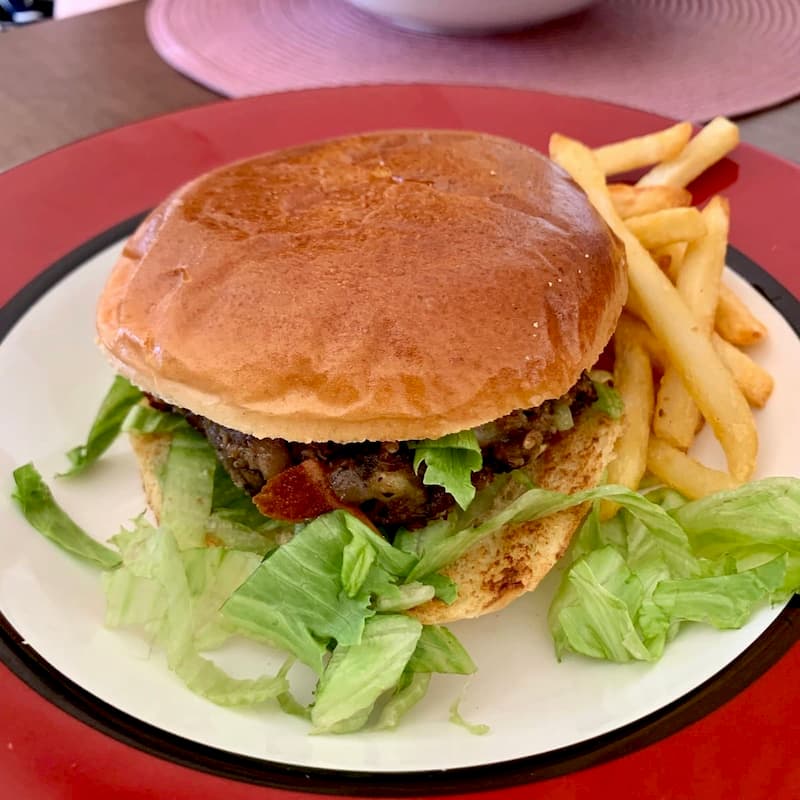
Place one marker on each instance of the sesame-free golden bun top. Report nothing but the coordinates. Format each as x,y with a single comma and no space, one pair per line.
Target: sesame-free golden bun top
388,286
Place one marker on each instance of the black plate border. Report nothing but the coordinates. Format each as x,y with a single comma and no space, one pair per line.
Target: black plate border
37,673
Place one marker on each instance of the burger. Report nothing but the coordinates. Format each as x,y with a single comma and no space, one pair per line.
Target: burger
388,324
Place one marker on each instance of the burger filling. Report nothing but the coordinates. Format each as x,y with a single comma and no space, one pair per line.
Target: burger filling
295,481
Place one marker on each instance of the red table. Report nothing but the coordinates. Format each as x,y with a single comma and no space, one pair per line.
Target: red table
745,748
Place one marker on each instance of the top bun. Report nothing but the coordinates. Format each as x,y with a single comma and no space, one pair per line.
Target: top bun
389,286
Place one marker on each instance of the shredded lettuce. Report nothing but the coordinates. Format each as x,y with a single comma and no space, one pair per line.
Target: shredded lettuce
562,417
224,530
438,650
631,586
444,588
152,559
403,597
609,400
236,522
450,462
763,514
358,556
448,544
476,729
410,689
120,398
187,488
212,575
296,598
358,674
287,701
143,418
39,507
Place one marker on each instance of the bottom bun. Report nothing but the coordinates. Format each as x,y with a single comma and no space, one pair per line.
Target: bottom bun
512,561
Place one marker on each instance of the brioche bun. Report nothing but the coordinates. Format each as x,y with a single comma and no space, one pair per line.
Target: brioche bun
390,286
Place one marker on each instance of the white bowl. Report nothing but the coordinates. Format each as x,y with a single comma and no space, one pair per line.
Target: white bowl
469,16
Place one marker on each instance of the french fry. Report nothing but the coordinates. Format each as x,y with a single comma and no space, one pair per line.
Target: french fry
710,383
675,252
642,151
633,379
677,418
665,227
633,329
735,322
711,144
699,279
754,381
633,201
684,473
633,305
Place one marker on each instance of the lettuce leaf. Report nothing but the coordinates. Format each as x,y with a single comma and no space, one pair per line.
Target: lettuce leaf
634,581
358,674
444,588
400,598
763,513
450,462
296,598
176,597
236,522
143,418
187,488
448,544
609,400
119,399
475,728
212,575
410,689
438,650
39,507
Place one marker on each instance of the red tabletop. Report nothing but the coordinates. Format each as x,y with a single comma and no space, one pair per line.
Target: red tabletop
745,748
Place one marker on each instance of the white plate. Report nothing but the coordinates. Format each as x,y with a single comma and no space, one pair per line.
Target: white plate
53,378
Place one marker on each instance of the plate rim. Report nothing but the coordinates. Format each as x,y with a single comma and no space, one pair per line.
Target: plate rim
80,703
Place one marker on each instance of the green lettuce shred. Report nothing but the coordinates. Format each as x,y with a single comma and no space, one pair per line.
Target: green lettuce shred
436,552
39,507
450,462
635,581
296,599
358,674
119,399
438,650
444,588
145,419
152,556
476,729
609,401
410,689
562,417
187,488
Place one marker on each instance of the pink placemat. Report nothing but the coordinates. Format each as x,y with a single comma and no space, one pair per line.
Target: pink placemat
682,58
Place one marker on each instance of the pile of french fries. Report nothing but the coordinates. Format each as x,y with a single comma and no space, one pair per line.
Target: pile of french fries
678,347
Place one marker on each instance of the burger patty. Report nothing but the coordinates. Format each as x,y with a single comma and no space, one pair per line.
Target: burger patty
378,478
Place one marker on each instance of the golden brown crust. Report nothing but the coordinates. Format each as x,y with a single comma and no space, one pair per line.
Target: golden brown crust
394,285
